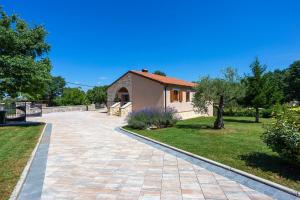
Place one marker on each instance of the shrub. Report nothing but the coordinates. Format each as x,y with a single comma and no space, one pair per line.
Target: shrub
296,109
283,136
239,112
266,113
248,112
152,118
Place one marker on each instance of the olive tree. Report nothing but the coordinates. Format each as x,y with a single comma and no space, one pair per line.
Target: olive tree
218,91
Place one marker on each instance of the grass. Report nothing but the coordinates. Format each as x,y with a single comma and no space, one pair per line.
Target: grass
16,146
239,145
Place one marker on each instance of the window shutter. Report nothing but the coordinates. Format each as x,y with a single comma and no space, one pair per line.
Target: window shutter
171,96
187,96
180,96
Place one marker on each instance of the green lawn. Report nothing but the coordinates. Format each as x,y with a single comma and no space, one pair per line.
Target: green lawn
238,145
16,145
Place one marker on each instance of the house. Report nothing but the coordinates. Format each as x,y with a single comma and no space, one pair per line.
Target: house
139,89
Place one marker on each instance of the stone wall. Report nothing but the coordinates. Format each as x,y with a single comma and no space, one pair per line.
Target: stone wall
126,82
64,109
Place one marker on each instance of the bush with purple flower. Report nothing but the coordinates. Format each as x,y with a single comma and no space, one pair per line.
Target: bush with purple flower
153,118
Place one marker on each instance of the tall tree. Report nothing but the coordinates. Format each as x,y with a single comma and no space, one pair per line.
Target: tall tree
292,89
161,73
54,89
97,94
219,91
24,68
255,90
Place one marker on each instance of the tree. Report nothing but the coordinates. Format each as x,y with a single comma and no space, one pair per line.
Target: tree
161,73
23,65
72,96
255,90
220,92
292,89
54,89
273,87
97,94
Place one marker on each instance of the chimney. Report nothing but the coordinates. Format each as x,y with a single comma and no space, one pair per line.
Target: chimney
145,70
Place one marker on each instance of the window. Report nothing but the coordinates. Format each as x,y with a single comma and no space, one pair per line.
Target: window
176,96
187,96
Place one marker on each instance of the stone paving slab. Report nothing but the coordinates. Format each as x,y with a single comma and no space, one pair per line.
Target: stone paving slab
89,159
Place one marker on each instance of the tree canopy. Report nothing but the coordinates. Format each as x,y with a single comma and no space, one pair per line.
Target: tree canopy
72,96
54,89
161,73
97,94
24,67
292,89
273,88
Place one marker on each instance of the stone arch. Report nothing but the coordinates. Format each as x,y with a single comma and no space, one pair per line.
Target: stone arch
122,95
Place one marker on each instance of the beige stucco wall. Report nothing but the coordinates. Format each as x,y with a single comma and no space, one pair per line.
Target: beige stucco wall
186,109
146,93
125,81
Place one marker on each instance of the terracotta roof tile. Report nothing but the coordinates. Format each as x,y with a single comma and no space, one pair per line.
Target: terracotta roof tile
164,79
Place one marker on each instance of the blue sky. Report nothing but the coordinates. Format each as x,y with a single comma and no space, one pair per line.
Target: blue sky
94,42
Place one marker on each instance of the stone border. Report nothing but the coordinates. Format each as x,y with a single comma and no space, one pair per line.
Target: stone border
279,194
45,135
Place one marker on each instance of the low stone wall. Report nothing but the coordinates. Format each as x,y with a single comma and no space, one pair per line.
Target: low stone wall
126,109
64,109
114,109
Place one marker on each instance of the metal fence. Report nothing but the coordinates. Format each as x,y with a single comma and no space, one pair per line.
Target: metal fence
18,111
34,109
14,111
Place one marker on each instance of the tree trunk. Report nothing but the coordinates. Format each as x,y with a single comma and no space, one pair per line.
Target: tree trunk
256,115
219,123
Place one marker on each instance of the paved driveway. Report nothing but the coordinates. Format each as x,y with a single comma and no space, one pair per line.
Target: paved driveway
88,159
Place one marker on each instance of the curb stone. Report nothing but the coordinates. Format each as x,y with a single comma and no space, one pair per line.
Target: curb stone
18,188
278,187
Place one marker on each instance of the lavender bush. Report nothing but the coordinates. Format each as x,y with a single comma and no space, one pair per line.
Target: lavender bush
152,118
